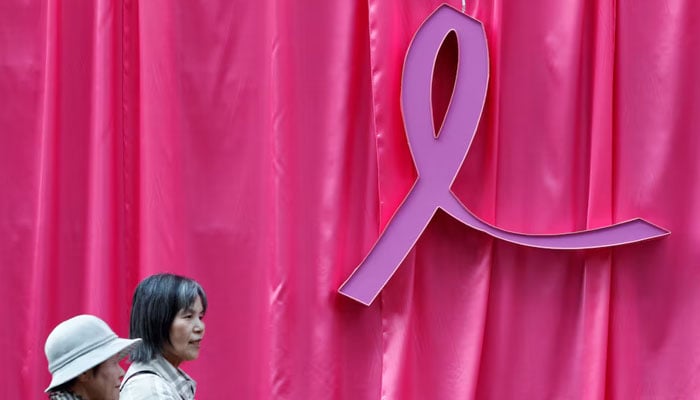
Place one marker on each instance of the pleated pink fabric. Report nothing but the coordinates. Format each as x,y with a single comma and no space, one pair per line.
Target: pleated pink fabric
258,147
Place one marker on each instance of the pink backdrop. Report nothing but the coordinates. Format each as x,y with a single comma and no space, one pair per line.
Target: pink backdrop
258,147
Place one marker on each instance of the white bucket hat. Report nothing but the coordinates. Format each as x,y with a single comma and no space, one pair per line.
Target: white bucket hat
79,344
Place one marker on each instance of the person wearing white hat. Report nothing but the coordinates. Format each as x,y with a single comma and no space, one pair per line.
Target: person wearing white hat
83,354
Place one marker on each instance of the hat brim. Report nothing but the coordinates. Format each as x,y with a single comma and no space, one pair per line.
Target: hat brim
91,359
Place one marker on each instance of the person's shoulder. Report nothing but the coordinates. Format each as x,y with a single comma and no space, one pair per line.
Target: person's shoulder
147,385
62,396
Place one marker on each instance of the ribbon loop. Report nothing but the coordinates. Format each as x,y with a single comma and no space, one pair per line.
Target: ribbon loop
441,156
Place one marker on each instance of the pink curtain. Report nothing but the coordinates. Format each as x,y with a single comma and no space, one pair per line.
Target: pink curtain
258,147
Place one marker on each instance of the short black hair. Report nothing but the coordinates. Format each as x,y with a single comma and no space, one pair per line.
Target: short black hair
64,387
68,386
157,300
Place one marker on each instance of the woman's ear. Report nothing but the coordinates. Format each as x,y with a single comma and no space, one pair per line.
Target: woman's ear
85,376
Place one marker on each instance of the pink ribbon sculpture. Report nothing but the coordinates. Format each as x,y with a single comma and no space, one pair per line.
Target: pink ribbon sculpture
439,158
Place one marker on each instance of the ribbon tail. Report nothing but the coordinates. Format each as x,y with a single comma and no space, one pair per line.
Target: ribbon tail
389,251
632,231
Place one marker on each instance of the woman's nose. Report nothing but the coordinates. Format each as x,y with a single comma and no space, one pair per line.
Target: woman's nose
199,325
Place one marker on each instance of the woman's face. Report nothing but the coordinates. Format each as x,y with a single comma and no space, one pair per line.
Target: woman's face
104,382
186,333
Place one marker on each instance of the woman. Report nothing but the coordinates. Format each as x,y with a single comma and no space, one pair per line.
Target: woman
167,312
83,354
